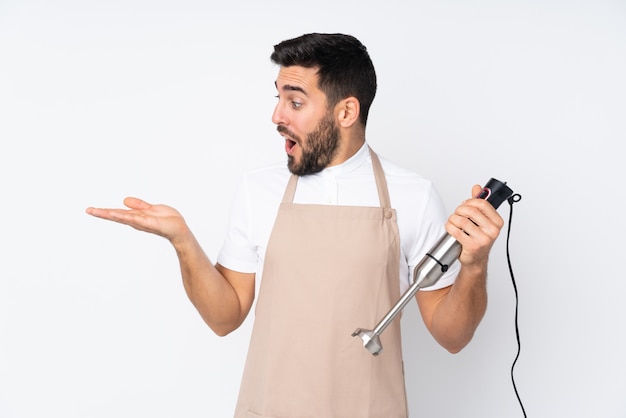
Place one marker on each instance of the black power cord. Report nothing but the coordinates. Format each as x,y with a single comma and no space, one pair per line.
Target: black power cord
514,199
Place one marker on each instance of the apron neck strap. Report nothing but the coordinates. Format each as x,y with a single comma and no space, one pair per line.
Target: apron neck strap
381,181
379,175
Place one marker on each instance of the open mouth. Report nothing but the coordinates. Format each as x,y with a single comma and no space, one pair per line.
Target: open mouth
289,145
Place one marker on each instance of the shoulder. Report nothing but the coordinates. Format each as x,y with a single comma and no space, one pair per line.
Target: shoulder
412,193
266,181
399,177
272,170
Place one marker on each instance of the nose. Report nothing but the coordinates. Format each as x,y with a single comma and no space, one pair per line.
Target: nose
278,116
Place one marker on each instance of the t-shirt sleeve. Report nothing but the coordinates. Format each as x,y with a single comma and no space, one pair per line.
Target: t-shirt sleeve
238,251
432,229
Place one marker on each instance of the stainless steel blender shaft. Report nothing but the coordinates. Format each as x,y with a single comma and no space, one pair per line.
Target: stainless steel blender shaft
429,270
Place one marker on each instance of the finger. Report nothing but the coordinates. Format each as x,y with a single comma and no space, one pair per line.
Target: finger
108,214
482,217
98,212
476,189
464,223
480,204
473,210
136,203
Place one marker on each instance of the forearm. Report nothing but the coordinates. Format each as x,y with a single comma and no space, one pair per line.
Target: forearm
459,312
208,290
453,314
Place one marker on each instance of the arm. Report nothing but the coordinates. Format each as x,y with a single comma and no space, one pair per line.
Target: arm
452,314
222,297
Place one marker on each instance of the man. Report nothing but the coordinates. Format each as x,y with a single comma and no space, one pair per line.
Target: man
333,252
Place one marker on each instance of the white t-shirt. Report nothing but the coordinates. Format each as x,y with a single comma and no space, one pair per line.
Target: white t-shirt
420,212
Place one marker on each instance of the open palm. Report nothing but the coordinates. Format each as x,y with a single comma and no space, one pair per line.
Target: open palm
157,219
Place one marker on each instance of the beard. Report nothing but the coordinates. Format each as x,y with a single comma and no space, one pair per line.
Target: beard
318,150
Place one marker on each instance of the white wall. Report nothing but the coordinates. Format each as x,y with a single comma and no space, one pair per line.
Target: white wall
171,101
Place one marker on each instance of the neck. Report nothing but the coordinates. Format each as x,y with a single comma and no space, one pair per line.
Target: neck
351,142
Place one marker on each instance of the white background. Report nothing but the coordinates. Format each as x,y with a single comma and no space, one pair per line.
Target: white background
171,101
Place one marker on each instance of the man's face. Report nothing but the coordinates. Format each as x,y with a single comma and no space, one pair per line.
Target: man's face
304,120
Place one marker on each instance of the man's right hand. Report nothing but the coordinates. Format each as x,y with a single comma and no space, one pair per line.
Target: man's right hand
157,219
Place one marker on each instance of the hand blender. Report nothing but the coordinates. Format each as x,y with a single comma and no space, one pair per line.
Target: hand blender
430,269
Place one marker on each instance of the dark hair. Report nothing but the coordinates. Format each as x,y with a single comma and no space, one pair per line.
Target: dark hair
344,66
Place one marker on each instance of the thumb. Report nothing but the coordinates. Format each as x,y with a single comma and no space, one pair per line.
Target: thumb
476,189
136,203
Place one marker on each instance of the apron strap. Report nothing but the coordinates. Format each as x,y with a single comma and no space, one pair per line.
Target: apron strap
290,191
381,181
379,175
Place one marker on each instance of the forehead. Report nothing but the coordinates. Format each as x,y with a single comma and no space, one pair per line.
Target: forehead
298,78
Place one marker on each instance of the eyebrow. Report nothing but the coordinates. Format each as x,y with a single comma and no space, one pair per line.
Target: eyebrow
289,87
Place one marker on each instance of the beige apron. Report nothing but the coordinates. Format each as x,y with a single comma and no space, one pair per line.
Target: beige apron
328,270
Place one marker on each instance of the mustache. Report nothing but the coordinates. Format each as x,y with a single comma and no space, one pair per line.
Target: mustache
285,131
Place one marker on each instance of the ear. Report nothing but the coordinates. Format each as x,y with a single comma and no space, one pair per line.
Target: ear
347,111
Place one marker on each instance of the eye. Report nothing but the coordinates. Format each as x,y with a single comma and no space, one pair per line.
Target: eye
295,104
